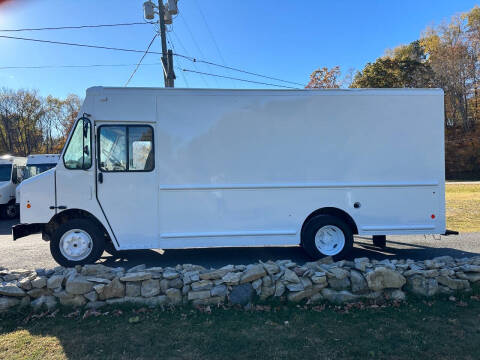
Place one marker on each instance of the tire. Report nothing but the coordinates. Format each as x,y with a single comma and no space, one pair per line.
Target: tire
10,211
337,234
81,237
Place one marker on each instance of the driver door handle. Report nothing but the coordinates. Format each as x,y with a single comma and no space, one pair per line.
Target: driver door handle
100,177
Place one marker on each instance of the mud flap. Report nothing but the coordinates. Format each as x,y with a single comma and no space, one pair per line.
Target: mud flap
22,230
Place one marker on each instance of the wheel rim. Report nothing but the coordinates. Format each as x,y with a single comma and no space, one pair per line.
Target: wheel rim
330,240
76,245
11,211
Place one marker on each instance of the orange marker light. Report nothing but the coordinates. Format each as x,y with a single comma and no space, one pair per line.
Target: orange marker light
433,216
29,206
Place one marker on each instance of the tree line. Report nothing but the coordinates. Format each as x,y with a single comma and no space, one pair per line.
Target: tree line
445,56
33,124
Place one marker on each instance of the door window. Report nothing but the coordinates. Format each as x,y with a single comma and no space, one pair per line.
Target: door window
126,148
113,148
140,146
78,154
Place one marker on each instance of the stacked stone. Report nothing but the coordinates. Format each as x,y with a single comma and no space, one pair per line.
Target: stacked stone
96,285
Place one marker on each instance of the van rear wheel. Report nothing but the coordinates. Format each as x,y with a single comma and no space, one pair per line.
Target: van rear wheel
77,242
326,235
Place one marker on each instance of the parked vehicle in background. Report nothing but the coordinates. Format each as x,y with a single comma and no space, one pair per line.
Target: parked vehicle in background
182,168
11,172
39,163
36,164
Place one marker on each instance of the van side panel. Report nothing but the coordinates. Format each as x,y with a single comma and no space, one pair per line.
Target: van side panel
248,168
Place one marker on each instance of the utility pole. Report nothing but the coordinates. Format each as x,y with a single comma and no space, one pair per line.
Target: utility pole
164,12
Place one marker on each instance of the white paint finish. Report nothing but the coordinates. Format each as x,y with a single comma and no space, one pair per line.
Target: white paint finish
39,192
222,241
130,200
229,233
32,161
75,187
8,188
388,228
38,159
246,168
280,209
116,105
292,185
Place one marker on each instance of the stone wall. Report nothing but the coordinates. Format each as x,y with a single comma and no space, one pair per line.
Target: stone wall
93,286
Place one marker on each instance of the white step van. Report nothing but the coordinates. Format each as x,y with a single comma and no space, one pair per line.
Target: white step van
181,168
11,172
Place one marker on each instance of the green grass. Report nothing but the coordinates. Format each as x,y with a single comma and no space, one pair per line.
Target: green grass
437,329
463,207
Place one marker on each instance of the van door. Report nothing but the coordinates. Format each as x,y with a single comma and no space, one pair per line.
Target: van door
126,183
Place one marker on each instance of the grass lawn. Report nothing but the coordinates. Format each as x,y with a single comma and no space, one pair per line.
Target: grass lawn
437,329
463,207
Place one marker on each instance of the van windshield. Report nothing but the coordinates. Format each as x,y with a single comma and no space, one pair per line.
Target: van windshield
5,172
33,170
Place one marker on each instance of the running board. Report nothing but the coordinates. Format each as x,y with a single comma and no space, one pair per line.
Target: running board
450,232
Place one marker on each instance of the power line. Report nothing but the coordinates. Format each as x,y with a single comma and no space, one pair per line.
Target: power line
74,27
190,32
173,47
186,52
238,79
210,32
192,59
78,45
140,62
246,72
72,66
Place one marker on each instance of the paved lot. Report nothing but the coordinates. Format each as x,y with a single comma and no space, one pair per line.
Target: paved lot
33,252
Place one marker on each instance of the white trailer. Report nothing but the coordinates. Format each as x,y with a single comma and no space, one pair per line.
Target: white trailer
180,168
11,172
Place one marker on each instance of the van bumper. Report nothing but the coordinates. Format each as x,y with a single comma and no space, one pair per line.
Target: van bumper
22,230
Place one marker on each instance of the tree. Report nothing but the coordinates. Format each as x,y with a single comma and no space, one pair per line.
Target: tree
451,58
325,78
30,123
402,67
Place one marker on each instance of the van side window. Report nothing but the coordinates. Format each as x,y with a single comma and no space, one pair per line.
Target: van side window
78,154
140,148
113,148
126,148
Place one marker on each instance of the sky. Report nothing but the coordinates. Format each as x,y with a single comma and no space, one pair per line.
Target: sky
277,38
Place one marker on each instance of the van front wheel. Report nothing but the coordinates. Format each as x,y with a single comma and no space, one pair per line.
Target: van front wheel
77,242
326,235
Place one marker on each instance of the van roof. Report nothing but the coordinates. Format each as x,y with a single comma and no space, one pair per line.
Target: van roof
42,159
97,90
